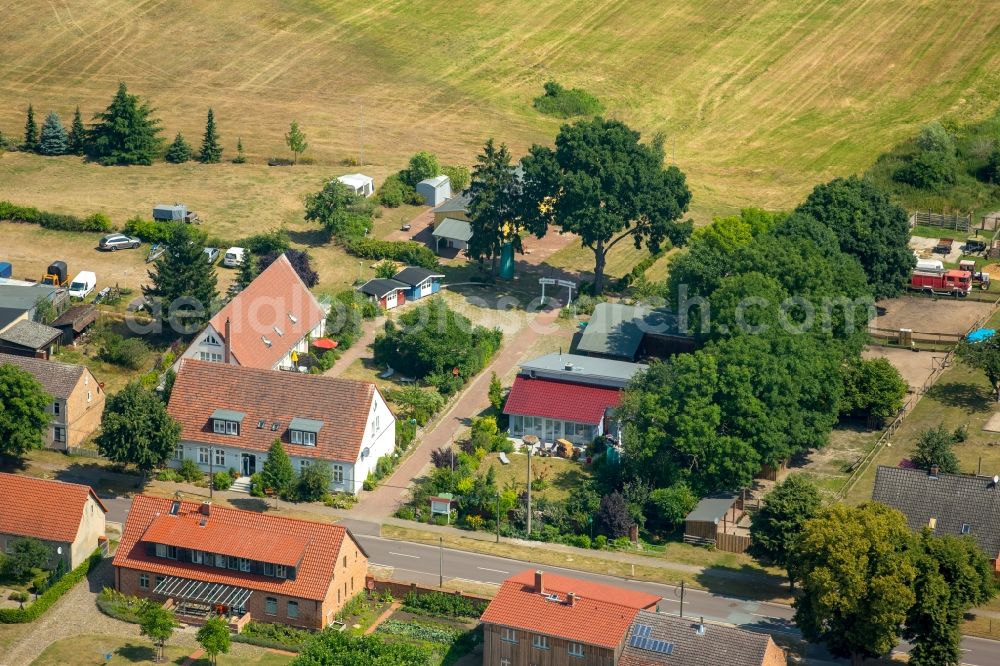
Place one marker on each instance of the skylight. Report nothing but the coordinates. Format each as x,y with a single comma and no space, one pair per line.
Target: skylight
293,318
261,423
266,340
278,331
275,426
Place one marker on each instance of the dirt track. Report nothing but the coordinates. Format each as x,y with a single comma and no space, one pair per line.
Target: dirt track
926,315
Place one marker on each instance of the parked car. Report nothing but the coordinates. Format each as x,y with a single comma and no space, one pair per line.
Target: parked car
113,242
234,257
212,254
82,284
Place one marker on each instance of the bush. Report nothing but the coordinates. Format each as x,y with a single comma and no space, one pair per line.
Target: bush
128,353
406,432
151,231
567,102
459,177
51,595
57,221
189,471
275,241
222,481
168,474
257,485
314,482
114,604
928,170
423,632
410,253
273,635
406,512
440,603
600,542
340,500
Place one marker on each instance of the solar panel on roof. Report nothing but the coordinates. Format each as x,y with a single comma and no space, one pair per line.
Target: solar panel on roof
643,630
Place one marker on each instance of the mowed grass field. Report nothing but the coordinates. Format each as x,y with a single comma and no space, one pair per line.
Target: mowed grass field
759,101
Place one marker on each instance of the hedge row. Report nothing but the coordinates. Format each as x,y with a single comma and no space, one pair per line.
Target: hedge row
406,252
267,643
51,595
58,221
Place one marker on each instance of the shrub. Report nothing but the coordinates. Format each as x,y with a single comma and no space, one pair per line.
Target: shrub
600,542
151,231
124,352
51,595
567,102
274,241
459,177
257,485
410,253
475,522
168,474
340,500
406,432
440,603
406,512
416,403
314,482
279,636
122,607
222,480
189,471
57,221
928,170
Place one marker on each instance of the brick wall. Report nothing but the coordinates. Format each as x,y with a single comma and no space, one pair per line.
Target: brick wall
400,590
348,579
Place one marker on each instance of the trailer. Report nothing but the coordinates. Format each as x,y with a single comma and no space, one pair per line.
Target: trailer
949,283
944,245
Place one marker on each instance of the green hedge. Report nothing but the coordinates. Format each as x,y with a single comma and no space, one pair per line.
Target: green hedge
58,221
51,595
267,643
407,252
439,603
151,231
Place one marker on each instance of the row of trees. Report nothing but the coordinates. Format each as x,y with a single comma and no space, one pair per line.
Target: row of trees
866,579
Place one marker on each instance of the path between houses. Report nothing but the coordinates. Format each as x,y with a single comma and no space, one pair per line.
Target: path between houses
383,501
360,348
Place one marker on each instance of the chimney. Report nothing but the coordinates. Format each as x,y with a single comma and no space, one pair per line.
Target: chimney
205,508
226,346
571,598
934,471
700,627
539,587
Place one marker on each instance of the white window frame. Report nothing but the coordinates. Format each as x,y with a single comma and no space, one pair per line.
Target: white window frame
203,455
220,561
280,571
218,426
575,650
338,473
143,581
56,406
966,528
295,436
540,642
244,564
179,452
220,457
508,635
232,428
196,556
161,550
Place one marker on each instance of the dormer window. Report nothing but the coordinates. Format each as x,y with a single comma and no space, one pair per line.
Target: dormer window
304,431
227,422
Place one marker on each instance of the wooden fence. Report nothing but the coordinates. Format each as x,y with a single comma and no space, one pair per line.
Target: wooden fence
895,336
732,543
954,222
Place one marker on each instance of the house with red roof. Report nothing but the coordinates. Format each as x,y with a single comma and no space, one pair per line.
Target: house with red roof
68,517
543,618
203,560
567,396
230,415
267,325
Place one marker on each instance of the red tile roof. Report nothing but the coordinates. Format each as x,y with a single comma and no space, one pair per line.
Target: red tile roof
217,537
314,574
600,616
273,396
43,509
271,300
560,400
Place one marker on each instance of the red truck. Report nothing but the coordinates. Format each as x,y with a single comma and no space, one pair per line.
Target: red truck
949,283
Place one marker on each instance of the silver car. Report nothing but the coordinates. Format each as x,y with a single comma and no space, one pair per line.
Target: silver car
113,242
212,254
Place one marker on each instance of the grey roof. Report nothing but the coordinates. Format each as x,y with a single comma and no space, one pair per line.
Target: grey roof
953,500
380,287
58,379
78,316
616,329
229,415
30,334
306,425
454,229
414,275
8,315
717,644
576,367
457,204
436,181
24,297
711,509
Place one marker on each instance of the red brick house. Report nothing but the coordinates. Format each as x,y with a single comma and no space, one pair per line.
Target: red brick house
542,619
203,559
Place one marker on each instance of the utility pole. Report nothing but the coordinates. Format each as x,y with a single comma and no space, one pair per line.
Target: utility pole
498,517
440,561
362,160
529,492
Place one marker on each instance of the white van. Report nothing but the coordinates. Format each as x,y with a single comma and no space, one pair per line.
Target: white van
82,284
234,257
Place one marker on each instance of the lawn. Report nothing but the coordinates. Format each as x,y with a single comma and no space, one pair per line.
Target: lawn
561,475
91,649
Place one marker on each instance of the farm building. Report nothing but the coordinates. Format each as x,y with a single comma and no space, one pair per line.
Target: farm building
29,338
435,191
452,233
387,294
719,521
422,282
74,322
359,183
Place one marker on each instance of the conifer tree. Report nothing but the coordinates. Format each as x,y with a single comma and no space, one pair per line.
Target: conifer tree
179,151
53,137
183,284
30,130
125,133
240,158
248,270
211,151
77,134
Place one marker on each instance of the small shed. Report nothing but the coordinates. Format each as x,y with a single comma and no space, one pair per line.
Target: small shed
435,191
359,183
422,282
75,321
388,294
453,234
29,338
170,213
717,520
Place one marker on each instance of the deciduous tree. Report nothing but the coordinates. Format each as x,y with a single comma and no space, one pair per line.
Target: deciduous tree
856,576
423,165
342,212
136,429
600,182
24,556
300,261
24,413
314,481
214,638
296,140
872,387
125,133
985,357
934,448
614,515
183,285
157,623
779,521
211,150
54,140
